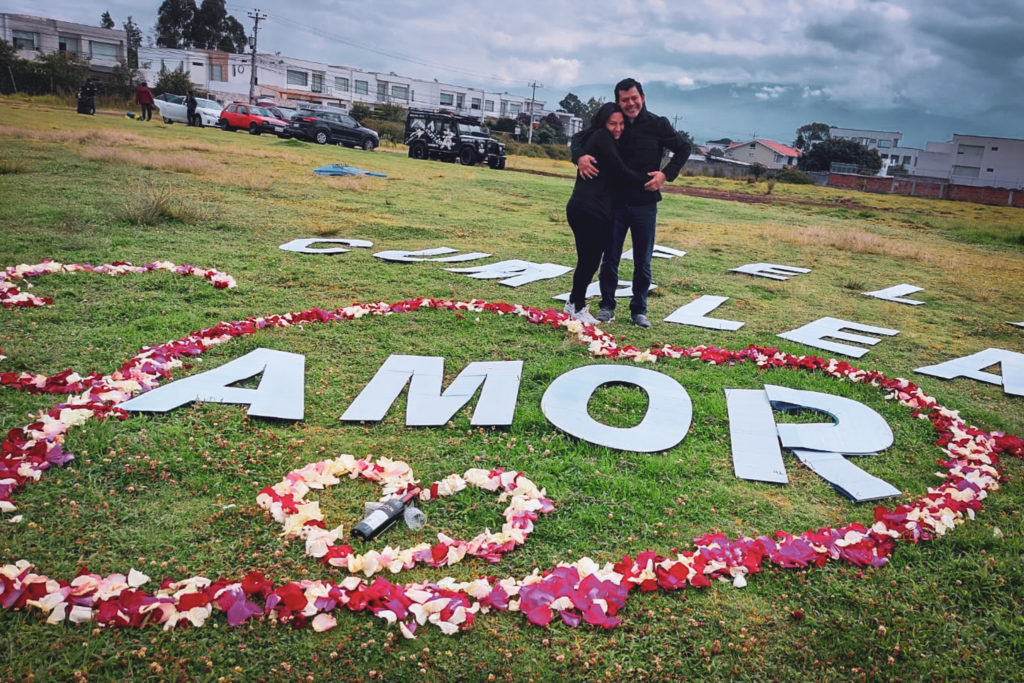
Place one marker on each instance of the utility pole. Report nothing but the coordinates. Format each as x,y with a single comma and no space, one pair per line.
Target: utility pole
534,85
255,15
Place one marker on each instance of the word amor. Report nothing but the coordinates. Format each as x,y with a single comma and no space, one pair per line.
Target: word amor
853,429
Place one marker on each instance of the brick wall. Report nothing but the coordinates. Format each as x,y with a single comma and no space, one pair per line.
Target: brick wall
908,185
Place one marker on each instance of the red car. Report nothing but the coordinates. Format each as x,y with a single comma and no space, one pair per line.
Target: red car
249,117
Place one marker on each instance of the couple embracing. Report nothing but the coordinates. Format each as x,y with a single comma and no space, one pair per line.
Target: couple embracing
619,175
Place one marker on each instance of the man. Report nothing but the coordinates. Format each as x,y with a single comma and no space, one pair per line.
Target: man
190,109
87,97
144,98
642,145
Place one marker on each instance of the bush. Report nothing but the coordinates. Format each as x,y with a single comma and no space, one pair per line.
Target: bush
360,112
523,149
388,130
793,176
176,82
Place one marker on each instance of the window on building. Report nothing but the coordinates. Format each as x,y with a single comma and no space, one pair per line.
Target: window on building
966,171
447,99
102,50
885,143
382,91
971,150
362,87
25,40
341,84
989,170
778,158
995,149
294,77
906,160
217,72
504,107
514,109
317,84
489,105
460,100
475,103
67,44
400,92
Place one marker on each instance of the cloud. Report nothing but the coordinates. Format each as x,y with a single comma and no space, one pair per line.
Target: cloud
945,57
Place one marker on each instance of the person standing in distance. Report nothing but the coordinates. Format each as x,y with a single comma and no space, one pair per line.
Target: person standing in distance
643,143
144,98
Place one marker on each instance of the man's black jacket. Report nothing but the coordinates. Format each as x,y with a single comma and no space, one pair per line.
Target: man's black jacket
642,145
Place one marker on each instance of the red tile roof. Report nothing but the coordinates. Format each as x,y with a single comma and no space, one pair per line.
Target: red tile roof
779,148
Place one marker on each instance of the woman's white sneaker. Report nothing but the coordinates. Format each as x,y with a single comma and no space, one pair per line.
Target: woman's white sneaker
581,314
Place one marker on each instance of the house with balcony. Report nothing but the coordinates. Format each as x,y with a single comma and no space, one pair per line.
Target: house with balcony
885,142
32,37
772,155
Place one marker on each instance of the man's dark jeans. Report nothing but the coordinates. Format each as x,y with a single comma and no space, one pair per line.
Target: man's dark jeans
640,222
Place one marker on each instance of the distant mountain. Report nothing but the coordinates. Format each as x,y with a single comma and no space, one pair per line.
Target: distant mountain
764,110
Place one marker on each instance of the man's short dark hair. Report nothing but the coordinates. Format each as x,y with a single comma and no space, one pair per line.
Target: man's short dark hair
628,84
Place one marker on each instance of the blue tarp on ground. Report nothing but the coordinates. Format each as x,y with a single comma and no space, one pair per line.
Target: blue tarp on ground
341,169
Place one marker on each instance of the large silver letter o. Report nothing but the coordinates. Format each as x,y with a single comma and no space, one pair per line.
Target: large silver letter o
669,409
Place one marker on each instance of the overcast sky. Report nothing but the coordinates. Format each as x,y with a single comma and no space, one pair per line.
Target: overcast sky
928,68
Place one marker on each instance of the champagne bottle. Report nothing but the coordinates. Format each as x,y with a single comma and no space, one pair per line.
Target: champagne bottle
385,516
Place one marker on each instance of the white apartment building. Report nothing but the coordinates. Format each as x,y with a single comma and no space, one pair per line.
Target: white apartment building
33,37
289,81
974,160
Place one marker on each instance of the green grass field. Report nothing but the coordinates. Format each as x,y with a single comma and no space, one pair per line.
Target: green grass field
173,495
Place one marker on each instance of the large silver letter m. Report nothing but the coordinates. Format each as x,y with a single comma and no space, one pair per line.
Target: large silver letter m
426,405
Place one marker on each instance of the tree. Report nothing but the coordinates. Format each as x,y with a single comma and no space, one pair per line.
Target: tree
233,37
133,39
811,134
572,105
575,106
821,156
177,82
592,106
123,79
715,153
180,24
106,21
546,135
174,22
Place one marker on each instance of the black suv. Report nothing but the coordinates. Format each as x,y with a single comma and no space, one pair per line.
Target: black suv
323,126
446,136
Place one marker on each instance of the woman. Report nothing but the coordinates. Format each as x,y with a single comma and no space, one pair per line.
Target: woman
589,210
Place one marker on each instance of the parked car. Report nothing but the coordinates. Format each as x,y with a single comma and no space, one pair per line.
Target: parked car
250,117
282,113
172,108
446,136
322,126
